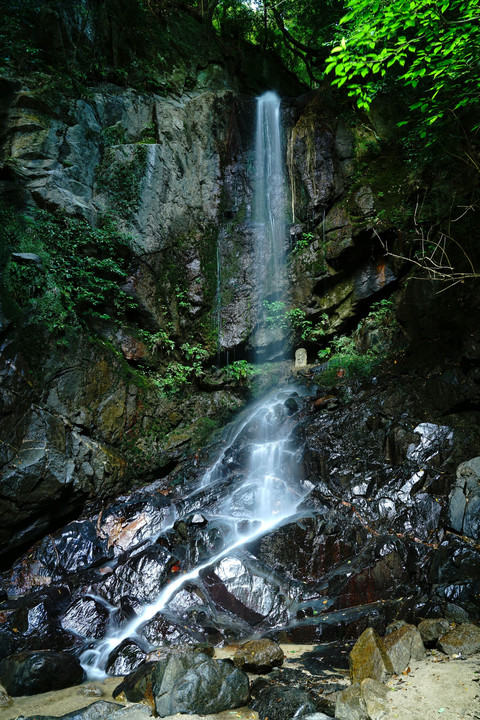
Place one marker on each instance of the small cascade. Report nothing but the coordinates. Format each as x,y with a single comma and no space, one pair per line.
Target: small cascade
259,500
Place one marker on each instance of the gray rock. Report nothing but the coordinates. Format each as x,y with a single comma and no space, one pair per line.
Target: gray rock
402,645
350,705
396,625
463,640
369,659
90,690
432,628
27,258
101,710
5,699
258,656
194,683
375,698
464,501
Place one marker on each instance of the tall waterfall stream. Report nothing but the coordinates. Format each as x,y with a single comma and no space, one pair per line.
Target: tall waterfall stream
267,489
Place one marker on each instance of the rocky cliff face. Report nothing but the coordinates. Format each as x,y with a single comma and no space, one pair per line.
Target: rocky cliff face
174,171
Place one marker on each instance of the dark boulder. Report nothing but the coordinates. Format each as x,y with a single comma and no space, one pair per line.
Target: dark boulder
86,617
29,673
431,629
137,686
194,683
279,702
125,658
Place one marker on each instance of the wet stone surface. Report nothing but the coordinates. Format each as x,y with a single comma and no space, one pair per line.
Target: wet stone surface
369,542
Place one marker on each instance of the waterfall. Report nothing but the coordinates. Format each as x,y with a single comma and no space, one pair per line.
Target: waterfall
269,202
267,490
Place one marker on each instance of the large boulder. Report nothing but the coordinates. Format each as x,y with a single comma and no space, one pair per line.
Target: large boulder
463,640
432,628
279,702
464,502
369,658
189,683
362,701
258,656
194,683
402,645
29,673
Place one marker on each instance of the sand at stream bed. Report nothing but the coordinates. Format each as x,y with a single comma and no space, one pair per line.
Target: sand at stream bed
435,688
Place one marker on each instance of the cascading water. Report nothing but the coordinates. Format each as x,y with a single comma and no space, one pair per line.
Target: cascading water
269,204
258,463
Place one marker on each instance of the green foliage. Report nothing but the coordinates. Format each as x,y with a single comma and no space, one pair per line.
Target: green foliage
430,47
78,277
240,370
121,178
382,312
346,359
277,316
158,340
303,242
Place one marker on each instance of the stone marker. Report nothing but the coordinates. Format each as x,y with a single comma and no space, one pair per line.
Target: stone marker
300,358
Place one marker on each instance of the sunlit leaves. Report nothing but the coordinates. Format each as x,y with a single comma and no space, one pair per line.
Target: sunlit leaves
429,46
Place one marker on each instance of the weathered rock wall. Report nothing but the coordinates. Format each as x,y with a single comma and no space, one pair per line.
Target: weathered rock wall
175,172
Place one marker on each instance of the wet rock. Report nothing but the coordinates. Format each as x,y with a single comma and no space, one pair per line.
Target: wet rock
258,656
369,659
464,502
194,683
431,629
87,618
349,704
435,443
125,658
145,574
239,585
160,631
278,703
463,640
137,686
5,699
31,622
292,405
313,716
29,673
402,645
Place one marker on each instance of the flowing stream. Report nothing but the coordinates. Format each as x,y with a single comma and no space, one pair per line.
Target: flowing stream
265,488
